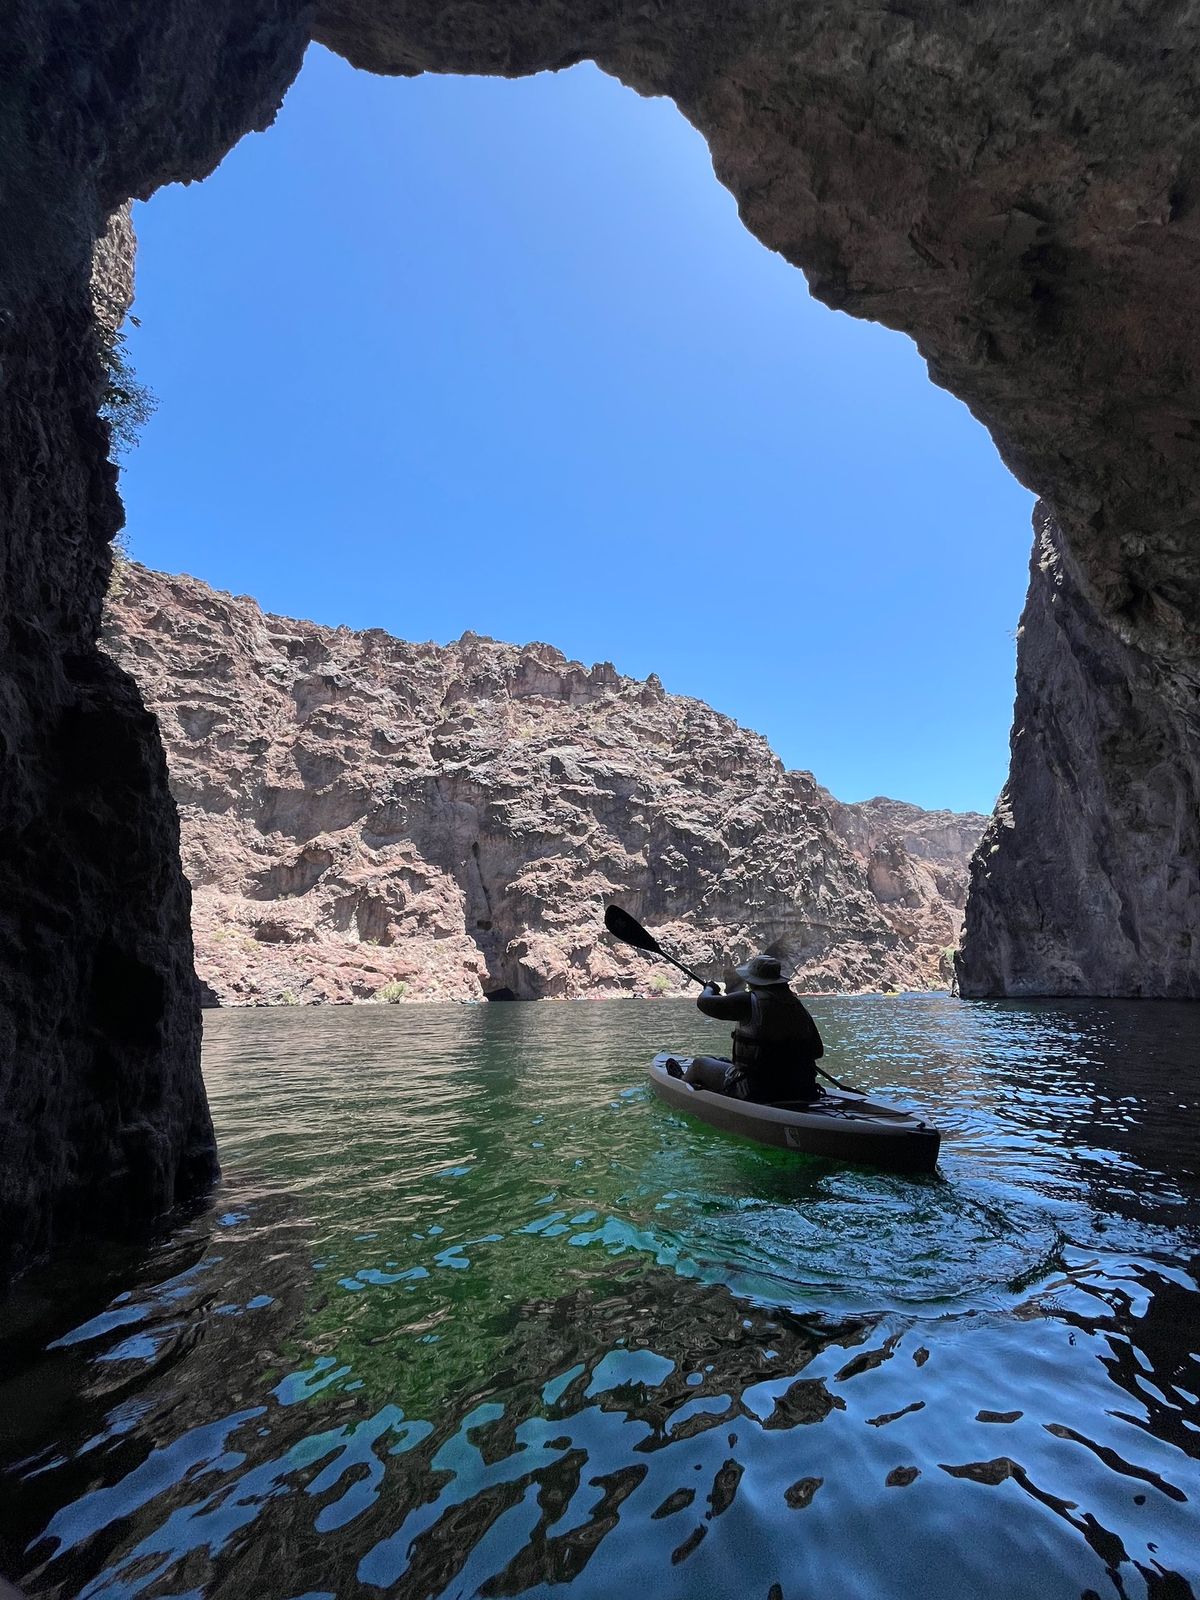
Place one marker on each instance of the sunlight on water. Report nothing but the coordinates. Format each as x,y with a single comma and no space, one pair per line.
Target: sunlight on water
473,1313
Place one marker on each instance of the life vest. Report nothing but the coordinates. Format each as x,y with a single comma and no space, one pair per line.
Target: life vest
775,1049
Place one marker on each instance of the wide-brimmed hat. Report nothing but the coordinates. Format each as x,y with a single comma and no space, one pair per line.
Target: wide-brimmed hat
761,972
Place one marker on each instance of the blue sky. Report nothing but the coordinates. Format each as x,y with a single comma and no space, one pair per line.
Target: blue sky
462,353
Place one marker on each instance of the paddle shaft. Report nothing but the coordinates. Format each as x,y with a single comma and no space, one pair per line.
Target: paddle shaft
847,1088
687,971
630,931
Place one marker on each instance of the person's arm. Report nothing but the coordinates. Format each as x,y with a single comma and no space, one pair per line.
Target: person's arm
815,1046
725,1007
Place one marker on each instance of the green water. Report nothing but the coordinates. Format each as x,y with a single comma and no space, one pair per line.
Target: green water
472,1313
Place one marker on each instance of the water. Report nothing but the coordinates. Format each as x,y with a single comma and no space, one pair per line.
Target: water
473,1314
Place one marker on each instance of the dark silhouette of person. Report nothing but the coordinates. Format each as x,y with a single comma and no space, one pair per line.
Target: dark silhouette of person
776,1045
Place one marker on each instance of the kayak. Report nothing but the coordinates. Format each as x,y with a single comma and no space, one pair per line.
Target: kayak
846,1127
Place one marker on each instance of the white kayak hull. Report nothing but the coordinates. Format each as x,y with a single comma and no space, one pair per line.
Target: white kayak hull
844,1127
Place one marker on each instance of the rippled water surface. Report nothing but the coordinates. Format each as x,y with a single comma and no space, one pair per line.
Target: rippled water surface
473,1314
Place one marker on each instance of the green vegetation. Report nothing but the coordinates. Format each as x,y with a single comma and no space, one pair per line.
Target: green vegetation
127,404
659,985
287,997
392,993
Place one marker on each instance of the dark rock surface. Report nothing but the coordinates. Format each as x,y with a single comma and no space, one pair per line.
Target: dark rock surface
1086,881
103,1120
358,811
1014,184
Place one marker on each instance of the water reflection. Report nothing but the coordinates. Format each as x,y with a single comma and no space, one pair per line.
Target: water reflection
470,1302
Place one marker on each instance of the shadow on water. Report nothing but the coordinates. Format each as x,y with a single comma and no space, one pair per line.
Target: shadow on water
470,1301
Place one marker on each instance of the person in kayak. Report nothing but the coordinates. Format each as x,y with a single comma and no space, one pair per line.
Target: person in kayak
776,1044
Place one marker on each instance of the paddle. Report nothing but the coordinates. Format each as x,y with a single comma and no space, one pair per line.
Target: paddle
630,931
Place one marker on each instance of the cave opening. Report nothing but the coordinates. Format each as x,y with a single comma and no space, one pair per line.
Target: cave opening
470,353
350,441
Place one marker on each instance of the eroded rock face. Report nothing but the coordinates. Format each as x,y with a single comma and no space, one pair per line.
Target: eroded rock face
1086,880
358,811
914,862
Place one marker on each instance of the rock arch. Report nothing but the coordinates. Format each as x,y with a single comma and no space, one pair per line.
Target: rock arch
1014,185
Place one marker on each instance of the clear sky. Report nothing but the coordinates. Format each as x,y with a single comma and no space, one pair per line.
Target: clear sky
462,353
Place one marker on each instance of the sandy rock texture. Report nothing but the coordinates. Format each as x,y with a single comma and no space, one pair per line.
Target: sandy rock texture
358,811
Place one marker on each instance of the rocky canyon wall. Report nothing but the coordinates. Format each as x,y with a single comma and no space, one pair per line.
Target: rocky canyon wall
1015,185
359,812
1086,881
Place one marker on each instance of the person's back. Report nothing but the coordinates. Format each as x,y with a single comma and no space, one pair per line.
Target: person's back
776,1044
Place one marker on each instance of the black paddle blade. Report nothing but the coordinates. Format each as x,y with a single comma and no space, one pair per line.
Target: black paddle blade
626,928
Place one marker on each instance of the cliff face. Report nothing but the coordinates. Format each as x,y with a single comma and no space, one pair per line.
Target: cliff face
358,811
1087,880
914,862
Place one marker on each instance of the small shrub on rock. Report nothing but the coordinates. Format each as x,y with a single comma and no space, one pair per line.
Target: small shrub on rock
392,993
126,403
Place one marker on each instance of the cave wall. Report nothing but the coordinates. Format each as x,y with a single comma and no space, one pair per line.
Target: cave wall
1085,882
103,1120
1014,185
